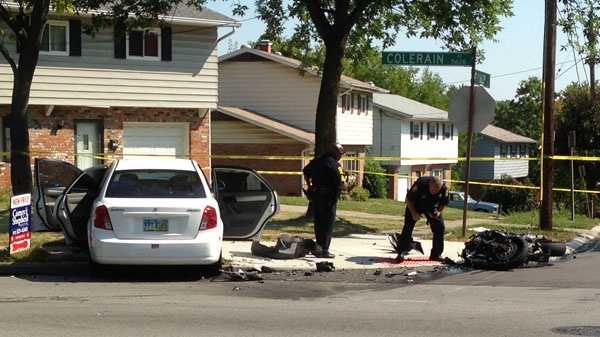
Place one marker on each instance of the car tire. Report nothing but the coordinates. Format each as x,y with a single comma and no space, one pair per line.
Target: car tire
97,269
215,268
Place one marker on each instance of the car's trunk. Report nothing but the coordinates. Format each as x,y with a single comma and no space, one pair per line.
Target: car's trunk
155,218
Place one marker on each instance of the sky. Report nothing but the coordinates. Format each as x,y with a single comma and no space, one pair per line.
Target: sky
513,57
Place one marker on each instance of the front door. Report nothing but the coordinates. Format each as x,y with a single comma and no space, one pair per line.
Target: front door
88,144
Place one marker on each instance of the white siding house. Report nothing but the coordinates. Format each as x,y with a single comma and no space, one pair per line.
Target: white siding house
502,144
272,86
421,136
275,86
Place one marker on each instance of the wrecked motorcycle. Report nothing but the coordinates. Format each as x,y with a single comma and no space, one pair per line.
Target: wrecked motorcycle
494,249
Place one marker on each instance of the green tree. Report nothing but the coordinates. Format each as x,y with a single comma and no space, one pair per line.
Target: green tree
24,21
349,27
583,17
522,114
580,113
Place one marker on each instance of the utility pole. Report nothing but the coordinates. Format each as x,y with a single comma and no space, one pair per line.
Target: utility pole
546,220
572,143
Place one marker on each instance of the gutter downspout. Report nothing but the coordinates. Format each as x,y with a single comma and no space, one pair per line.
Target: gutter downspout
226,35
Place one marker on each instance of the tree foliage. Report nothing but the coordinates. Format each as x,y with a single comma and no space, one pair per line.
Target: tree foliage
582,17
522,114
350,27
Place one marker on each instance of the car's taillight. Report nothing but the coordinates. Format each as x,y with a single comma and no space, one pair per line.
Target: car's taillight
102,219
209,218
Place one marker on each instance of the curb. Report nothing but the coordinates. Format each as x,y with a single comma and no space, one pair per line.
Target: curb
583,242
45,268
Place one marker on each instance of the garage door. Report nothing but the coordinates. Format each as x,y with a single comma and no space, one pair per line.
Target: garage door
155,139
402,189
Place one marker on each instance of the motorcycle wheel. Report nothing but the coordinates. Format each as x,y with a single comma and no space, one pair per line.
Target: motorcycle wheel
554,248
516,258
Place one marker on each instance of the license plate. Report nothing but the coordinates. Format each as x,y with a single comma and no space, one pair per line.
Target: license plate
156,225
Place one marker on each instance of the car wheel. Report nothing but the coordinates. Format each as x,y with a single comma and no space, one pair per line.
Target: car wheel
215,268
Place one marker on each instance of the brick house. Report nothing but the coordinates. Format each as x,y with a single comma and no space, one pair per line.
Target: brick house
123,94
274,88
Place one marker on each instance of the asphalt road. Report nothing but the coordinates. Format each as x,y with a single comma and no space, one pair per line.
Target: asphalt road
528,302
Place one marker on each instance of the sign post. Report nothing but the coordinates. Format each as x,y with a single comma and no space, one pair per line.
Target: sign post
469,143
459,59
482,78
19,227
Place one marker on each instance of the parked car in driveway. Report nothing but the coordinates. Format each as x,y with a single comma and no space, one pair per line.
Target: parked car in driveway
457,199
154,212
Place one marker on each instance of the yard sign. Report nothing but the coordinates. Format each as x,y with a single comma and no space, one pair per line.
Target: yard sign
19,223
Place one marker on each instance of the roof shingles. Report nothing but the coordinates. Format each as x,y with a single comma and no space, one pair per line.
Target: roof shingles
505,136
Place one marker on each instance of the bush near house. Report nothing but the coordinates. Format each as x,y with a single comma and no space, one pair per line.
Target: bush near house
359,194
510,199
376,184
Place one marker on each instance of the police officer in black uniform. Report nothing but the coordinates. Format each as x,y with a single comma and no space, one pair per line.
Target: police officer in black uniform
428,196
324,183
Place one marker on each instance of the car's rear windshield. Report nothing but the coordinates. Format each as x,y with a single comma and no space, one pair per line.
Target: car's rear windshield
155,184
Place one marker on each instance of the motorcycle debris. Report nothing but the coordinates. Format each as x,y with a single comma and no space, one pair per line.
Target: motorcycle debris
325,266
412,273
308,273
267,270
236,289
377,272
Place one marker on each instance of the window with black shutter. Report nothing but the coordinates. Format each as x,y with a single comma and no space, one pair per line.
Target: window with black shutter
55,39
144,44
74,37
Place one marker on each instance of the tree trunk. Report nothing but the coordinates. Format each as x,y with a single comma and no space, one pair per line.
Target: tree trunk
20,161
592,64
325,124
19,131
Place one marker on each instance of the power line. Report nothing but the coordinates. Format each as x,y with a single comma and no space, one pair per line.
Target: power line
514,73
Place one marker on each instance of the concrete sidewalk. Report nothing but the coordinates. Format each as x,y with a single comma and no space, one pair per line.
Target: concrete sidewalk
358,251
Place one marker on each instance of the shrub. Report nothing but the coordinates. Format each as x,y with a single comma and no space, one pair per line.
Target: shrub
510,199
359,194
376,184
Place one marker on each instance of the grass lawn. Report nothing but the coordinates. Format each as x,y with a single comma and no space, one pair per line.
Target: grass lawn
562,219
455,234
297,224
382,206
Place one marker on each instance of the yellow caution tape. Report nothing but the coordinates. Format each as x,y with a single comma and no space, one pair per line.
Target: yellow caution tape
578,158
262,157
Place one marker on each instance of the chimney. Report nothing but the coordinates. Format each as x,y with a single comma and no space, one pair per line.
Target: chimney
264,45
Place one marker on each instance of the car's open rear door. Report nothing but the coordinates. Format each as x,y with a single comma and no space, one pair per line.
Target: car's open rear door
74,206
246,201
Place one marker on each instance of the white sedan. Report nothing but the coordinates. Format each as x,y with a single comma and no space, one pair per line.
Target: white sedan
152,212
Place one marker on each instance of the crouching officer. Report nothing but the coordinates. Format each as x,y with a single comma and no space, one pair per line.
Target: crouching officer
324,183
428,196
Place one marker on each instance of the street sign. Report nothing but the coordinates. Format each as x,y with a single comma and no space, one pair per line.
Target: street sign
460,59
19,223
482,78
485,109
